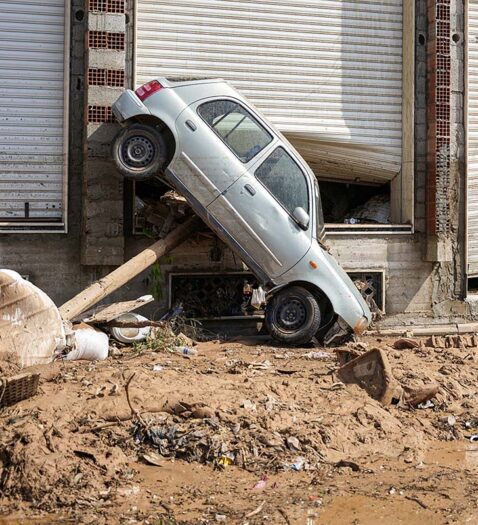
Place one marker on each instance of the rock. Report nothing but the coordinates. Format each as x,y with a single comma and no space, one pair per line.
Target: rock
405,343
293,443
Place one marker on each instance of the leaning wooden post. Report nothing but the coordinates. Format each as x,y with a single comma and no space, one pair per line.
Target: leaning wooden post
127,271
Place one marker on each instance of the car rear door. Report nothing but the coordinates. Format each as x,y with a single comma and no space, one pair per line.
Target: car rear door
256,211
214,146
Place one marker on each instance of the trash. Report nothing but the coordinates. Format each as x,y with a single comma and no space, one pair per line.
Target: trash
158,368
30,324
226,459
474,438
17,388
261,484
392,491
130,335
220,517
426,404
172,313
319,355
298,464
153,459
419,396
405,343
88,343
450,421
248,405
258,298
373,373
263,365
184,350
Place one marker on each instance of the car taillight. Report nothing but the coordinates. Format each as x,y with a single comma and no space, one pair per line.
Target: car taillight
146,90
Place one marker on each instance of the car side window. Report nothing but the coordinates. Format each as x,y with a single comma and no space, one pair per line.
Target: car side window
236,127
281,175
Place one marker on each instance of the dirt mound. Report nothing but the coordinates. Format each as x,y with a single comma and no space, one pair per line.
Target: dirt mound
238,415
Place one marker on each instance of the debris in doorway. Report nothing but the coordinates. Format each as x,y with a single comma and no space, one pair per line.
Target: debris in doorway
376,210
373,373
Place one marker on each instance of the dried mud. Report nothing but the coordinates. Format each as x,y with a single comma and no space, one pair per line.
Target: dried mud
241,433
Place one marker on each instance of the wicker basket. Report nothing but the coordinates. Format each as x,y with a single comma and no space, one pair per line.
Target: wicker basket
14,389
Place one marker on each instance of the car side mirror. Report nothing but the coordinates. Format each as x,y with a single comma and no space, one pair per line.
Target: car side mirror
301,217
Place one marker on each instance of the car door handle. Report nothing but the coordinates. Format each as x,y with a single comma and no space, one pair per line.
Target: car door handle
250,189
190,124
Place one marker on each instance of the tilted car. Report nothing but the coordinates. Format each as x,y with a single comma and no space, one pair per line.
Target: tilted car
252,188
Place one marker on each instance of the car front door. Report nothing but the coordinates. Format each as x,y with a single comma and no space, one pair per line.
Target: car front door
257,209
217,138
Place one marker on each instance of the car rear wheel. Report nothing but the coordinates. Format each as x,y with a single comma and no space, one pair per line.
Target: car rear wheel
139,152
293,316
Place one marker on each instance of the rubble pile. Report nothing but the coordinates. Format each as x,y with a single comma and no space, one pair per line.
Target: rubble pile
198,435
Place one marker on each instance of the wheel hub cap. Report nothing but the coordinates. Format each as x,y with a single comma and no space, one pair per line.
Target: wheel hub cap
291,314
138,152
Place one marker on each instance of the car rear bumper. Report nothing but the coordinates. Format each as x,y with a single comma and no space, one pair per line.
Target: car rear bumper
129,105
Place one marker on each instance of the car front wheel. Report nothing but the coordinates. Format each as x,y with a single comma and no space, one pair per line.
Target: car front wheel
293,316
139,152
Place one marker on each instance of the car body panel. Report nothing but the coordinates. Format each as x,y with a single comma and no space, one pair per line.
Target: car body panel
204,165
217,184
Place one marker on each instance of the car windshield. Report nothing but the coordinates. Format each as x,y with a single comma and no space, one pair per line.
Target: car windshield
236,127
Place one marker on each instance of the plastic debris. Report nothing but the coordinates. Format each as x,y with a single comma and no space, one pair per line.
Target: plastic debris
185,350
426,404
474,438
158,368
89,344
261,484
133,334
226,459
298,465
258,298
319,355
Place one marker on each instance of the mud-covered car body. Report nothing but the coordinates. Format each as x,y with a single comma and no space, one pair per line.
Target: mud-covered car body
248,183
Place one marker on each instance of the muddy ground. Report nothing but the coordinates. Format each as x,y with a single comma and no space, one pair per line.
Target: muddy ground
243,432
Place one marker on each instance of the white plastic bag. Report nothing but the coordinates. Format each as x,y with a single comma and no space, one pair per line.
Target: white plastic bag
258,298
90,344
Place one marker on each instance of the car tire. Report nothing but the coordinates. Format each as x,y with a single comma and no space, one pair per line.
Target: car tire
139,152
293,316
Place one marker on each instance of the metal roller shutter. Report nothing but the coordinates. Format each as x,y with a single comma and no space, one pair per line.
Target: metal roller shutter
328,73
472,139
32,144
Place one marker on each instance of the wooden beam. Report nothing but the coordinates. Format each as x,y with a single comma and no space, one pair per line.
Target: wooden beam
127,271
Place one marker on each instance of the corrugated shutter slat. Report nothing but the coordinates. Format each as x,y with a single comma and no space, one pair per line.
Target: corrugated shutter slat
328,73
31,109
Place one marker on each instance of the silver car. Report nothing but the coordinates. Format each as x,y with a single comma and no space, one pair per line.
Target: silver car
252,188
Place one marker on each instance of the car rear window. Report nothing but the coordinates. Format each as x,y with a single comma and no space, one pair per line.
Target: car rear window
281,175
236,127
